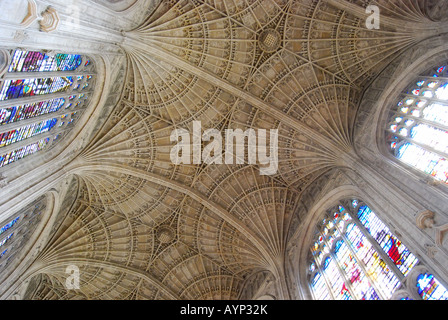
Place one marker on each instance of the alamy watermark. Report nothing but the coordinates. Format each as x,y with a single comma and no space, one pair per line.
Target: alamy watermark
373,20
72,280
189,148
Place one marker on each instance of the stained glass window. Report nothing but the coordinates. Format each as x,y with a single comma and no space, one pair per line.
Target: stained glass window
31,110
391,245
9,225
23,152
22,88
356,256
32,61
22,133
417,133
430,289
42,94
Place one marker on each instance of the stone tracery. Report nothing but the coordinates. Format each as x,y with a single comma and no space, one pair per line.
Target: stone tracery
142,228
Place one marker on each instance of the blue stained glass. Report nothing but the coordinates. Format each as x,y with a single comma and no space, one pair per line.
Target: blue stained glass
9,225
32,61
319,287
326,263
13,89
391,245
27,111
4,241
26,132
18,154
431,289
338,287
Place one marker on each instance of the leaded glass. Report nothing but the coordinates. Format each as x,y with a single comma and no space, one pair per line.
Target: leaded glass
9,225
26,132
22,88
418,129
356,256
38,84
431,289
391,245
23,152
28,111
320,289
31,61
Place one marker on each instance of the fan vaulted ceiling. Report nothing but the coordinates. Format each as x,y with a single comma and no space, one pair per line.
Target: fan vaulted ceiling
140,227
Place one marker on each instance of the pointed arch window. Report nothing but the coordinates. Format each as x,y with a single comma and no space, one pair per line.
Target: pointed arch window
16,231
41,95
417,132
355,256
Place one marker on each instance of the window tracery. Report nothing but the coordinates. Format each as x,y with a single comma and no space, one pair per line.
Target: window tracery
41,95
355,256
417,132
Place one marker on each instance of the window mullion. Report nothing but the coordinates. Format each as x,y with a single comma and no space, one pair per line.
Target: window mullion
28,100
424,98
424,121
41,118
342,273
40,75
324,276
378,248
20,144
432,78
421,145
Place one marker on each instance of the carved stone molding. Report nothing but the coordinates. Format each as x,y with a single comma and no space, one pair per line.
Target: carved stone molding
50,20
31,15
440,234
425,220
431,250
270,40
4,61
20,36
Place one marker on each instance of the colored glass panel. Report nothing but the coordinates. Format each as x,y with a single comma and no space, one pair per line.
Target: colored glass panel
430,289
435,138
319,287
437,113
27,111
376,268
13,89
442,92
391,245
340,291
26,132
9,225
31,61
18,154
353,272
424,160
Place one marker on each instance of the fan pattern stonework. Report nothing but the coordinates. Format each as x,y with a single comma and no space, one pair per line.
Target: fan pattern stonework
141,227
